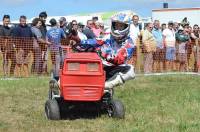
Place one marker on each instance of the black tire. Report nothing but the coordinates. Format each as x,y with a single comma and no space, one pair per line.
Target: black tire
116,109
52,110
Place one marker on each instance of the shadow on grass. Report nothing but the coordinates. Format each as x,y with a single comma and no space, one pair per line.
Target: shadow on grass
80,110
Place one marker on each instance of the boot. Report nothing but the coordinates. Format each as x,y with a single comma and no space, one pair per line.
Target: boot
114,82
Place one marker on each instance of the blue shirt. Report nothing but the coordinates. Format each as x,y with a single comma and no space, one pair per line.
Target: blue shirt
22,31
54,35
157,33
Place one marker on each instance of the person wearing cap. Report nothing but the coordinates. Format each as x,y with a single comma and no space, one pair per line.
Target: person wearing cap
182,38
95,19
43,29
54,36
81,35
63,25
169,41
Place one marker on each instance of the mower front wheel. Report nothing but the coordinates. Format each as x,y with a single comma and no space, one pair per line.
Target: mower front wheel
52,110
116,109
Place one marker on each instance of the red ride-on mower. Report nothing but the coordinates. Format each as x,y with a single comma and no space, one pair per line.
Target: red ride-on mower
81,81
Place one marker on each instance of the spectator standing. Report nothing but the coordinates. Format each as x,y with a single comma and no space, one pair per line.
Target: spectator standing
163,27
195,35
81,35
63,25
176,61
149,43
88,30
54,36
135,28
37,42
176,27
182,38
43,29
95,19
169,42
186,25
24,36
158,56
96,29
134,34
73,33
7,46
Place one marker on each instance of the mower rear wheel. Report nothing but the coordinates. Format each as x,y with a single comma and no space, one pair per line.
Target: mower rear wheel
116,109
52,110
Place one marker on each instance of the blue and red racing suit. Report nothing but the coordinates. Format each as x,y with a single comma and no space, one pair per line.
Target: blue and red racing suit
111,52
114,55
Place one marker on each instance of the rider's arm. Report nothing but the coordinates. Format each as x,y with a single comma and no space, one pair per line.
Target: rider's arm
124,53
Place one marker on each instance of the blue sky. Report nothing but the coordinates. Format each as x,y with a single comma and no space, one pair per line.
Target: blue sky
31,8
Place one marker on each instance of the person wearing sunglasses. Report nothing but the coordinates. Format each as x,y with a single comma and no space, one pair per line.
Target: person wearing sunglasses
81,35
73,33
64,25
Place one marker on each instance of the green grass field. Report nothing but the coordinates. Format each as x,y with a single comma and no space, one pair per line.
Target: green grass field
153,104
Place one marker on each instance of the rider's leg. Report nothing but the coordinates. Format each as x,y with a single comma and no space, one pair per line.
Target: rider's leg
118,75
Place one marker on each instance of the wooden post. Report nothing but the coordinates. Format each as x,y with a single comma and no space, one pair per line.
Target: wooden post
138,55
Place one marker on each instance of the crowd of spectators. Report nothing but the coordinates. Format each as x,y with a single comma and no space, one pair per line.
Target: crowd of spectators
27,43
164,47
170,47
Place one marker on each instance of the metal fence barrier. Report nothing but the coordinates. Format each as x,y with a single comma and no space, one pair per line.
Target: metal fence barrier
19,57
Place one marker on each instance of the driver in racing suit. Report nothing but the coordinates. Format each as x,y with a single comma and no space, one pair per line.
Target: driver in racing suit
114,51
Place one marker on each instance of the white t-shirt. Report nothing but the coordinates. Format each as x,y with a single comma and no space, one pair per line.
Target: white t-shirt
82,36
134,32
170,39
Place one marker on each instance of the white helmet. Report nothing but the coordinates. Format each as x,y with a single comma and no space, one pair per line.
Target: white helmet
120,26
